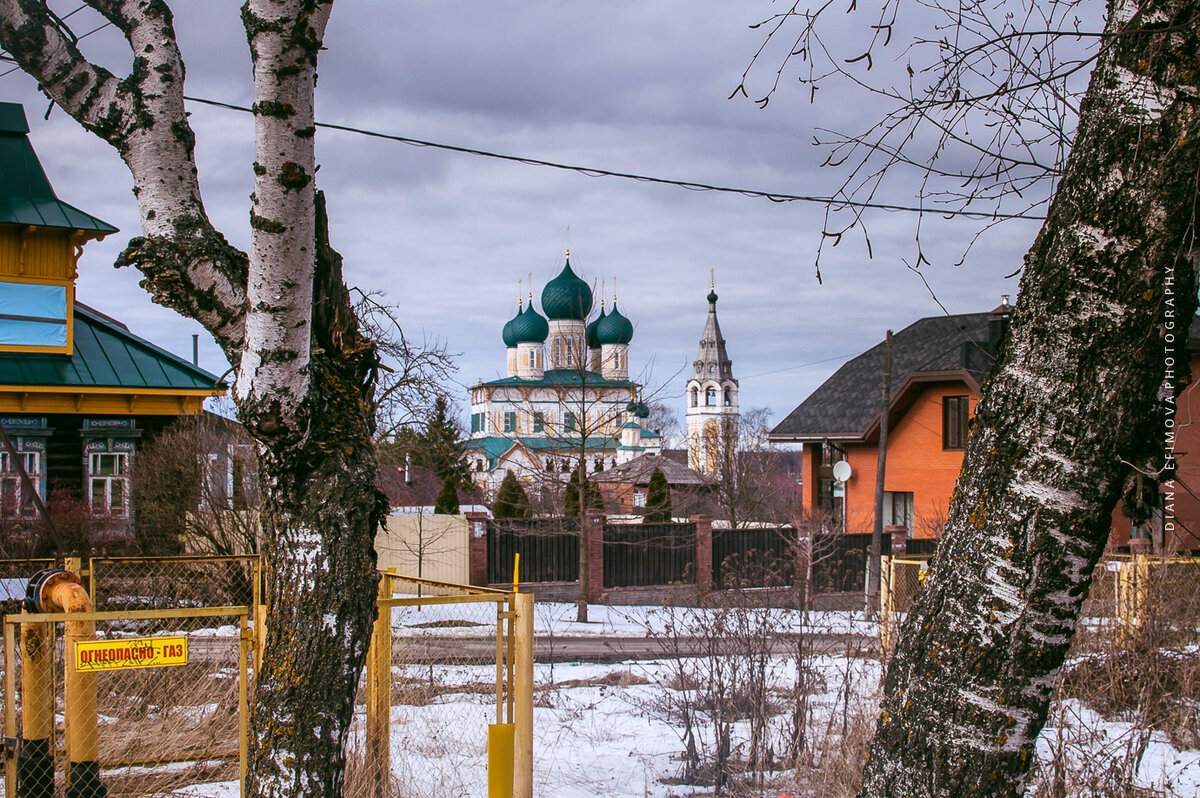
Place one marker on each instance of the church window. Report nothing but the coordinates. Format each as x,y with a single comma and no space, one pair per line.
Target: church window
728,397
570,354
539,422
598,465
510,422
712,369
557,352
695,396
710,396
570,422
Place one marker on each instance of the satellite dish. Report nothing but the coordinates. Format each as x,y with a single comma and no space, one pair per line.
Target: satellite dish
841,471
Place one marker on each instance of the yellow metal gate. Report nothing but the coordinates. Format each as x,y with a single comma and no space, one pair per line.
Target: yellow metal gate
141,702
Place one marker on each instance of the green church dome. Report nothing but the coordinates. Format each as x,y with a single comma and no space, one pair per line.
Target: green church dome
614,328
530,327
592,341
509,333
567,297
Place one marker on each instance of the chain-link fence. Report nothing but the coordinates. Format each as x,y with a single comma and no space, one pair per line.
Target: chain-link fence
141,583
1129,595
137,703
443,678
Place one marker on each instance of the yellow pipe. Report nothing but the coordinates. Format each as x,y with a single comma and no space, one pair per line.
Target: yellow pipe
35,768
63,592
500,760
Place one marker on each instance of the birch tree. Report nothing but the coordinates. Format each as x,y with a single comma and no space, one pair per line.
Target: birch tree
282,315
1081,395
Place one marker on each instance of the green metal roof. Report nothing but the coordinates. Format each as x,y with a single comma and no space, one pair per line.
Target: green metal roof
26,197
566,377
106,355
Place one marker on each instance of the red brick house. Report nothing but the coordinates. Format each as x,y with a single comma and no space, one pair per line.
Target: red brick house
938,366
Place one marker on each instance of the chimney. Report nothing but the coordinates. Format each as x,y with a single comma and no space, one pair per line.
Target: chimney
998,324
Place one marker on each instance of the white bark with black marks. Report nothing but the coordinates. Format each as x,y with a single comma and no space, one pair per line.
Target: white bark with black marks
282,315
1074,396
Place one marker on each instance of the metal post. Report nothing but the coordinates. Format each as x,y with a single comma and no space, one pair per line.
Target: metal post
523,693
10,707
244,704
379,696
35,765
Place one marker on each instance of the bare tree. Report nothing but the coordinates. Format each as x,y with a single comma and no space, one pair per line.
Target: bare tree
1082,391
195,487
305,371
751,478
412,374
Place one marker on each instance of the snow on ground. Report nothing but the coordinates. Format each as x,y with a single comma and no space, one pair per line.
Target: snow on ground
601,730
604,621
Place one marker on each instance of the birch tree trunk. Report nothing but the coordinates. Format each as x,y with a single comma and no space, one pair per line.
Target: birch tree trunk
1096,355
282,315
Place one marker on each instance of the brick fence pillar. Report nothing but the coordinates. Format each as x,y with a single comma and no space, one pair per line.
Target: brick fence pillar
593,529
477,548
899,539
704,555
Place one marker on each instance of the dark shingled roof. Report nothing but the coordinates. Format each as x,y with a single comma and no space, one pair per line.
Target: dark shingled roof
106,354
638,470
847,403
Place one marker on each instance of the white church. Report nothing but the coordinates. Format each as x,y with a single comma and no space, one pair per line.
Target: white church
567,392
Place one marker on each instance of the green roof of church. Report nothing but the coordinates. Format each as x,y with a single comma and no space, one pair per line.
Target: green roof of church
566,377
106,355
26,197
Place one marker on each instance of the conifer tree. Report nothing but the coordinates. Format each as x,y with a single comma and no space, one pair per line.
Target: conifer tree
511,500
440,447
447,500
658,499
577,485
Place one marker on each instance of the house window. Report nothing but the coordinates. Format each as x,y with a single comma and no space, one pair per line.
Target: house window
898,509
13,498
829,503
539,422
108,483
639,498
954,421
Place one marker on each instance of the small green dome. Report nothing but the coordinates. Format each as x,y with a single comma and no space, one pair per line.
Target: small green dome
509,333
614,328
567,297
712,296
592,341
530,327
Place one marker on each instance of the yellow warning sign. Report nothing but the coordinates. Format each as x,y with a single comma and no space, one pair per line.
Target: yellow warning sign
142,652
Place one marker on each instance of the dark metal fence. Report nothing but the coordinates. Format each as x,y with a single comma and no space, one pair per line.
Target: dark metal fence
638,555
758,557
839,563
549,549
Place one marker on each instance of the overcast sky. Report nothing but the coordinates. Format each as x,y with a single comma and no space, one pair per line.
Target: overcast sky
627,86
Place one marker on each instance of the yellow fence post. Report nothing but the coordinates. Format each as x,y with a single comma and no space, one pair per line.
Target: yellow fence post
379,696
887,603
522,689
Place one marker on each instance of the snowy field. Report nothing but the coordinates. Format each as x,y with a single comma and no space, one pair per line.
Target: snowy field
609,730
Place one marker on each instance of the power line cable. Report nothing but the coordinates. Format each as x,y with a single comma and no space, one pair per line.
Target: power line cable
77,38
774,196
